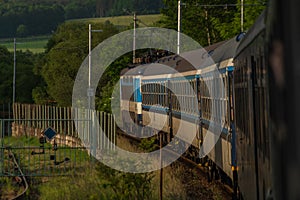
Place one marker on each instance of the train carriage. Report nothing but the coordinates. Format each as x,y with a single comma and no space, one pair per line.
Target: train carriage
251,114
183,94
261,102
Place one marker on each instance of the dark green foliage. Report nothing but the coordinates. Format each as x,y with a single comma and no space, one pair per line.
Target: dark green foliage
126,185
26,80
22,30
96,183
229,25
40,95
148,144
6,71
108,82
80,9
22,19
208,25
66,51
122,7
27,18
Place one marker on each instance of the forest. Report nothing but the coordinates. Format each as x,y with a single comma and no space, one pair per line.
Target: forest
28,18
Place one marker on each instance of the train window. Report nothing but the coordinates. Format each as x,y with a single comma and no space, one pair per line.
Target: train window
179,87
182,103
164,99
192,106
257,69
227,87
174,87
206,108
189,104
184,99
175,102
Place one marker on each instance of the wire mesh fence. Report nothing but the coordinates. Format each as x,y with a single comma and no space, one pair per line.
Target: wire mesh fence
47,141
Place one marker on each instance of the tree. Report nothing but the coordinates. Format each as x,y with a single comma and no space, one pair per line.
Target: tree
24,19
26,80
80,9
40,95
108,81
66,51
22,30
126,185
6,75
209,24
231,27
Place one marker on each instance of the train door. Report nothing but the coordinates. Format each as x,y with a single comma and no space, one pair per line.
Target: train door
244,128
261,122
255,109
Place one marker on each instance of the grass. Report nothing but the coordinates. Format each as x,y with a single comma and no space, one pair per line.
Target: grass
40,164
149,20
34,44
101,182
8,189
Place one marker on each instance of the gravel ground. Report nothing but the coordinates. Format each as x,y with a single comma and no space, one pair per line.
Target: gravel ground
182,182
192,184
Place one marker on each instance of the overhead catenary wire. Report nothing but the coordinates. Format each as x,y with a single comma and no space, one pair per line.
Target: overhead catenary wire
224,5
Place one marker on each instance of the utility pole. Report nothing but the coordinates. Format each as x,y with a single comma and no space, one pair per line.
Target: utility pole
90,94
242,15
90,66
179,24
207,29
90,91
14,78
134,37
161,168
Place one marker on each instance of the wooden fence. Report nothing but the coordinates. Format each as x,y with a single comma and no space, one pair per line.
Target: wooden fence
74,126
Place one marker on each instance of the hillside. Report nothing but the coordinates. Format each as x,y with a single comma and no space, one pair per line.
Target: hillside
38,44
25,18
148,20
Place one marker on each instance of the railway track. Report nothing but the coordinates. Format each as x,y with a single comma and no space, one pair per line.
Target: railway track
201,169
21,179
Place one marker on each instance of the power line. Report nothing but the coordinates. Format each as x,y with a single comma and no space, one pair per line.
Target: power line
224,5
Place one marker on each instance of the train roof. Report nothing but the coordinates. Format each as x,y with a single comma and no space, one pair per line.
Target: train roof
218,52
253,32
225,51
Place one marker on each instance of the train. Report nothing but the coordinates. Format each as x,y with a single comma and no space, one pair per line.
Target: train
256,109
187,95
184,93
